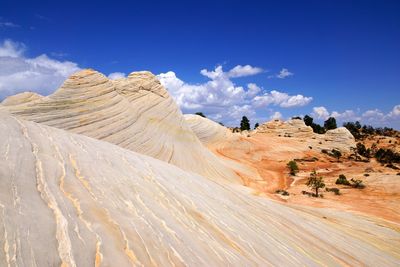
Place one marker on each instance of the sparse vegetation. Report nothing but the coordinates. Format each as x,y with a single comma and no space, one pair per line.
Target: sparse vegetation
387,156
201,114
244,124
363,151
256,125
342,180
308,120
361,132
315,182
334,190
336,153
357,183
330,124
353,183
293,168
282,192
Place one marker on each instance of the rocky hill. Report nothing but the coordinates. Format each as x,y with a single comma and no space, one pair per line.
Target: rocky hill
110,173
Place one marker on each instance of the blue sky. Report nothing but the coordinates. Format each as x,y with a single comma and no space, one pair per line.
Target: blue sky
345,55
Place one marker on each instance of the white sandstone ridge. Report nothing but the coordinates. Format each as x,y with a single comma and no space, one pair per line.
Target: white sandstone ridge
136,113
339,138
70,200
208,131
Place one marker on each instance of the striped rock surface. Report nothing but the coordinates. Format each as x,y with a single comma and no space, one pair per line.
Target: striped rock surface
71,200
136,113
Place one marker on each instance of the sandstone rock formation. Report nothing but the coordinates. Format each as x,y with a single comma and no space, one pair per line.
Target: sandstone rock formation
136,113
340,138
208,131
71,200
290,128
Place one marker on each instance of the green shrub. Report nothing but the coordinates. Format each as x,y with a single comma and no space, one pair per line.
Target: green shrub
282,192
342,180
357,183
293,168
334,190
315,182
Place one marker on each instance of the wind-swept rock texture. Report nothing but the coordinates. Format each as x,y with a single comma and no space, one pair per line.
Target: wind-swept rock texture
208,131
340,138
110,173
70,200
136,113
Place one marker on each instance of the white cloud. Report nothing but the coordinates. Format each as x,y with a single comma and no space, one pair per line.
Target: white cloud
220,98
395,113
116,75
284,73
11,49
277,115
40,74
320,113
281,99
373,117
241,71
8,24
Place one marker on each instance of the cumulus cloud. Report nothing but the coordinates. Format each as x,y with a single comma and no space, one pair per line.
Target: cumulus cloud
116,75
284,73
220,98
320,113
40,74
281,99
8,24
374,117
241,71
276,116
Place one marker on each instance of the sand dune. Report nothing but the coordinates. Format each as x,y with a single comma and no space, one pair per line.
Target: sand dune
73,200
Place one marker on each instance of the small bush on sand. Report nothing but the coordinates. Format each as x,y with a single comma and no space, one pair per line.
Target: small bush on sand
293,168
342,180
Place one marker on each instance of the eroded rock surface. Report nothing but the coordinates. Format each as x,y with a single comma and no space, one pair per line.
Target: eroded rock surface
71,200
136,113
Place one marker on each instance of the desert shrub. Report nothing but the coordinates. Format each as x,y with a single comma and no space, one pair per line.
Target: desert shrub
342,180
390,165
363,151
357,183
201,114
256,125
366,174
336,153
334,190
282,192
315,182
308,120
293,168
387,156
330,123
244,124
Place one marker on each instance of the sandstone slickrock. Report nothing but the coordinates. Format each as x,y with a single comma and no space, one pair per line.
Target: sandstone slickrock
339,138
136,113
208,131
71,200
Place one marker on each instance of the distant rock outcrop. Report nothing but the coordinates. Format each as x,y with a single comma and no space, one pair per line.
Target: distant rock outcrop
136,113
290,128
339,138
